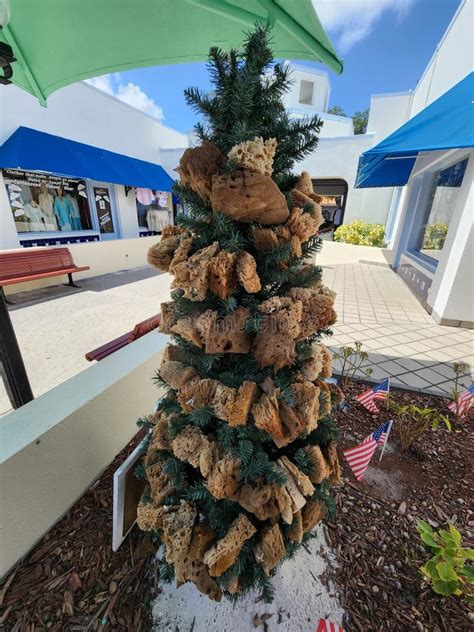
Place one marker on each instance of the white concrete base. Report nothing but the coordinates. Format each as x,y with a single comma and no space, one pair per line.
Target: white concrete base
301,599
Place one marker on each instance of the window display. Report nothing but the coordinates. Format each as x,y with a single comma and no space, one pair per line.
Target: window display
42,202
439,210
154,209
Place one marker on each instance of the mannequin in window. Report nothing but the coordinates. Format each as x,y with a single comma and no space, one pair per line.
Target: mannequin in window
46,201
76,223
62,210
145,198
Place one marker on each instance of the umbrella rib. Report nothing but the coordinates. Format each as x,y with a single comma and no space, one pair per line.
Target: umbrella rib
21,58
292,26
223,8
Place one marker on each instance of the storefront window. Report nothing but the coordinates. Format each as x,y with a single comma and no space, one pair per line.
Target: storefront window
46,203
154,209
439,210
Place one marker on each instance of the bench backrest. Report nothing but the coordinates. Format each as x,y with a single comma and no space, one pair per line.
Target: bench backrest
29,261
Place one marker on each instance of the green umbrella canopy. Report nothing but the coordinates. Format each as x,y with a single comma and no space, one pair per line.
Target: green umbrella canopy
58,42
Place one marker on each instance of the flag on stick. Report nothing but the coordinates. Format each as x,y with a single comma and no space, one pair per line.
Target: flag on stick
463,403
378,391
359,457
328,626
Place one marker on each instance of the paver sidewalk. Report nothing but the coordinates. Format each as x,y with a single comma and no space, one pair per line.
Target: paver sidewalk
404,343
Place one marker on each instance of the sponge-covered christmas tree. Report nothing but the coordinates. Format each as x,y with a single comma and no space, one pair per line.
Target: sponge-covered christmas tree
242,448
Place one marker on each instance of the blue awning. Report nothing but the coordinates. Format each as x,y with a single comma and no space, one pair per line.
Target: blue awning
31,150
448,123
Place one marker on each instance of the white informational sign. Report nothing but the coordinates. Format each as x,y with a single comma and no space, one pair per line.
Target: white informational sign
127,492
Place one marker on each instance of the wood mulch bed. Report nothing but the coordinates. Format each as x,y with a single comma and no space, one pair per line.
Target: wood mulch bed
72,580
377,546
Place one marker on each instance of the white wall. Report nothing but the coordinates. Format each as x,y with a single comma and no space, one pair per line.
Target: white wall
82,113
54,447
336,125
321,90
451,62
387,113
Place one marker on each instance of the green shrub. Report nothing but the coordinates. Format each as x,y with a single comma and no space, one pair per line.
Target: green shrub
447,571
351,359
412,421
435,235
359,233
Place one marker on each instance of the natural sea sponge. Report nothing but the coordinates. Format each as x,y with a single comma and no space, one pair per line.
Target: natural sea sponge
271,549
319,467
186,328
161,254
168,317
177,534
318,312
267,418
176,374
223,481
225,335
295,533
302,225
198,165
192,566
330,454
223,554
246,196
160,483
149,516
256,155
222,274
240,409
187,445
223,401
259,500
197,393
246,269
302,481
192,275
312,513
264,238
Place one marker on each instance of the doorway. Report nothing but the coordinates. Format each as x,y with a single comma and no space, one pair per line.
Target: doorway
334,193
105,210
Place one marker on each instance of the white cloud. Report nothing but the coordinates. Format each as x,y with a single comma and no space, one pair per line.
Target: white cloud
351,21
129,93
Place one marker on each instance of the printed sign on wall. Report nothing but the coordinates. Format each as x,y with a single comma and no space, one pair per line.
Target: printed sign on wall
104,209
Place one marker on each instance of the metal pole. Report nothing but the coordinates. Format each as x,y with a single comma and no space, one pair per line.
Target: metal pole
17,383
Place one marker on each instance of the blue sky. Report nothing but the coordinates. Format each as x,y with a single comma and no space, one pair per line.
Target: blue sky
385,44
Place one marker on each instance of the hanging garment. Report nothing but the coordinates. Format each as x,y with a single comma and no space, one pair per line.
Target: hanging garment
63,210
75,214
46,201
145,196
35,217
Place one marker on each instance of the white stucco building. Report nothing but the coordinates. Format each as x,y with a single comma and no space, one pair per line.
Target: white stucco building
81,114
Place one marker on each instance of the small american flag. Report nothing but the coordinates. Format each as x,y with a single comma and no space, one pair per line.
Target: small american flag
462,405
359,456
378,391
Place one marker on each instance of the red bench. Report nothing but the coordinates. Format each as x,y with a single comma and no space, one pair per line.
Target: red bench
122,341
28,265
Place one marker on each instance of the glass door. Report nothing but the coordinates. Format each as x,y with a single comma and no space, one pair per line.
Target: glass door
105,209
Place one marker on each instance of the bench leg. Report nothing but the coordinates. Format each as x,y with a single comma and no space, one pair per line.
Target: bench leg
71,282
5,298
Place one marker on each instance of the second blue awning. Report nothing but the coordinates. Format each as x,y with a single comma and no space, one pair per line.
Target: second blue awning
31,150
448,123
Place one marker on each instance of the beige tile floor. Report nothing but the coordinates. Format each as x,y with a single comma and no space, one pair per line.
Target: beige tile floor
375,307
